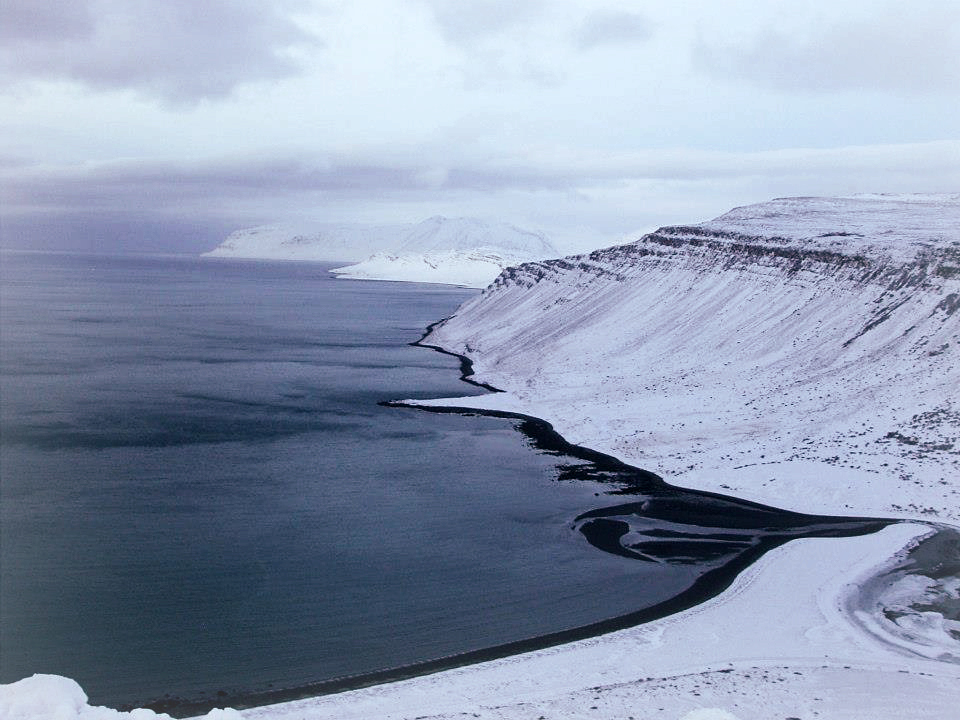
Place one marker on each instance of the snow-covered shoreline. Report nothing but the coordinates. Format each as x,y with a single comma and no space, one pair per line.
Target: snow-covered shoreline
799,353
783,641
779,643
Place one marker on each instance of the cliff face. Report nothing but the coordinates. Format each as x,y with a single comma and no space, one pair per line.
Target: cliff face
801,337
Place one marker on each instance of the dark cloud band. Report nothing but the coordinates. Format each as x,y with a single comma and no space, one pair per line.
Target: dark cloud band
178,50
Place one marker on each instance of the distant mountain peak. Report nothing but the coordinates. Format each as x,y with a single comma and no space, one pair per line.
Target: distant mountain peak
443,234
460,251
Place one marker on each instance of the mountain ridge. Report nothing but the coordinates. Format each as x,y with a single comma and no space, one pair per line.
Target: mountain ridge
710,352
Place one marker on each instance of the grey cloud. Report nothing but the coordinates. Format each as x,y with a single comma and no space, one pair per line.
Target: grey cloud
194,201
470,20
44,20
125,185
911,49
226,187
92,230
222,187
181,207
179,50
613,27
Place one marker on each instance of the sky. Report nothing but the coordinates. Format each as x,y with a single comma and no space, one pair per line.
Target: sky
141,126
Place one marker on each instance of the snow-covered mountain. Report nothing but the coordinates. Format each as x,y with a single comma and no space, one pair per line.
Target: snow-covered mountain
803,352
440,234
458,251
327,242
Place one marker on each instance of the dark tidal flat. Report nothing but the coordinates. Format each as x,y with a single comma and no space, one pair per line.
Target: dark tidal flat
204,502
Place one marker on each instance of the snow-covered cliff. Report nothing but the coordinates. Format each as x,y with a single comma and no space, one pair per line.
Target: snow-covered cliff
457,251
803,352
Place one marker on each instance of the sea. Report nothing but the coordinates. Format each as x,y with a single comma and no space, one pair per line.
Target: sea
205,501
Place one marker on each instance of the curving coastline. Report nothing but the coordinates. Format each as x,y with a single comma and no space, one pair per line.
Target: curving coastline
707,586
629,480
797,352
787,639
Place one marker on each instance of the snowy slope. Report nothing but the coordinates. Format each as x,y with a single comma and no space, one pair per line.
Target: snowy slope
314,243
457,251
803,352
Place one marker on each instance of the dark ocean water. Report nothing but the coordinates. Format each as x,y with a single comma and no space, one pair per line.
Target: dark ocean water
201,495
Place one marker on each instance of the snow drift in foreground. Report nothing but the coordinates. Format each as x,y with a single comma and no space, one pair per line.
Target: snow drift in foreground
51,697
459,251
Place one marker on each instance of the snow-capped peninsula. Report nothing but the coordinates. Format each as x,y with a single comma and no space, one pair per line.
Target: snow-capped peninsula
314,243
456,251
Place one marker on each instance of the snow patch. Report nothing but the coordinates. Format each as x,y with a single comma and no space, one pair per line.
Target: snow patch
460,251
709,714
52,697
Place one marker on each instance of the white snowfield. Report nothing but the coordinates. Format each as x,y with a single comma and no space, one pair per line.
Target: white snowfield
802,353
454,251
325,242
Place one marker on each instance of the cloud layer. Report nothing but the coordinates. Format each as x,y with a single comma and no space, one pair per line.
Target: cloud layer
178,50
613,27
590,117
904,48
214,192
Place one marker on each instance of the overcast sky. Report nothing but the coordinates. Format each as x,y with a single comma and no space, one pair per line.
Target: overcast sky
144,125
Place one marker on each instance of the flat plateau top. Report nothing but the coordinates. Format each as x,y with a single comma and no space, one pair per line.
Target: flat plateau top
896,227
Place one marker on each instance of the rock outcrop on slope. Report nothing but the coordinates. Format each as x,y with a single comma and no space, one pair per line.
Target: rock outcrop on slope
456,251
803,352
